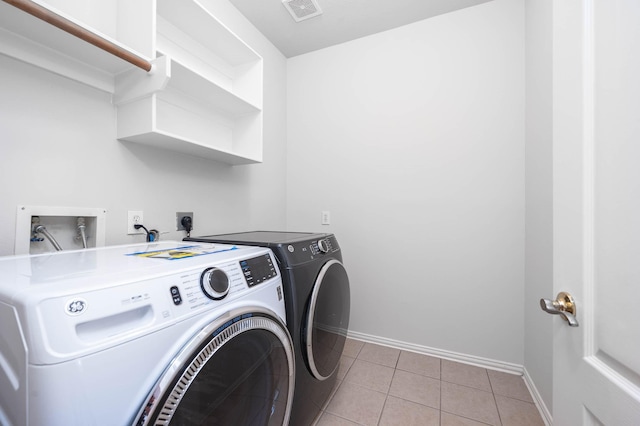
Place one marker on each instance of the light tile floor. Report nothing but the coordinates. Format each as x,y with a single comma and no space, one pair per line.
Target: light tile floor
378,385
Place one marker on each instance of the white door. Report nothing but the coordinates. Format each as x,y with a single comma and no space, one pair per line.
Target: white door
597,210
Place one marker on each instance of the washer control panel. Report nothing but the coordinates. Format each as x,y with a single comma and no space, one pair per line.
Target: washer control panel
216,283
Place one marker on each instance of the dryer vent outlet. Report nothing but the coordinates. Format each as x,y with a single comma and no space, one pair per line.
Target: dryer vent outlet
302,9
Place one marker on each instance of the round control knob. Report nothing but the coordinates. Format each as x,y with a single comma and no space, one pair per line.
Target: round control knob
214,283
323,245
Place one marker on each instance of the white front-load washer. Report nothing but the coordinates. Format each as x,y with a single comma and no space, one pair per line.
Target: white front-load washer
166,333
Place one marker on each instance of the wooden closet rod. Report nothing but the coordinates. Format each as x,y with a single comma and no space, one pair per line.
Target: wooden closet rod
64,24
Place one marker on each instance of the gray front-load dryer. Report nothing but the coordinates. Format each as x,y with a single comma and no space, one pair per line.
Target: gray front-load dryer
317,301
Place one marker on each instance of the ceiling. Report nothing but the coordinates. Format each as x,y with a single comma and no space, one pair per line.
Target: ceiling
340,21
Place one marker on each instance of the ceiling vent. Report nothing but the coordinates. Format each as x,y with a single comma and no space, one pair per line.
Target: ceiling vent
302,9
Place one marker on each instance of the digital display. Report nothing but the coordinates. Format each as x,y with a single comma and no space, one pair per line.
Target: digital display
258,269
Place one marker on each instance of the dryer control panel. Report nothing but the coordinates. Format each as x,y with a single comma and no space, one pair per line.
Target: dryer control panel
298,253
324,245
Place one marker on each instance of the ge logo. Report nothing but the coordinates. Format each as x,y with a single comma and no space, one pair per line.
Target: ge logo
76,306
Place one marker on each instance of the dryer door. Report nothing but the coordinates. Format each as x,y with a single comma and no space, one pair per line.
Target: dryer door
236,371
327,320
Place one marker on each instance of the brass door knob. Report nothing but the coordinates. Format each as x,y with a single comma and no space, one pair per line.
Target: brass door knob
563,305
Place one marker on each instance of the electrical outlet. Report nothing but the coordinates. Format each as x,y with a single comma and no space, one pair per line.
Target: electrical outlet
179,216
134,218
325,217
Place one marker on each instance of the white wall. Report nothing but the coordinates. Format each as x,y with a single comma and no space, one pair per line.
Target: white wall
538,354
58,148
414,140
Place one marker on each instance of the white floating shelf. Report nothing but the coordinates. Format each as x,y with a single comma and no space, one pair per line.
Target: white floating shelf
205,95
179,110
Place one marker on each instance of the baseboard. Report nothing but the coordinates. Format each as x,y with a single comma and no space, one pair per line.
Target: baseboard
488,363
537,399
452,356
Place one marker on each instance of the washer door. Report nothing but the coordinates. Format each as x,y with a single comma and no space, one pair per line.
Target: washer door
237,371
327,320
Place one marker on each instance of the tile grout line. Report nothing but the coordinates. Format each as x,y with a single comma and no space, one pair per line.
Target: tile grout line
493,394
386,398
440,387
